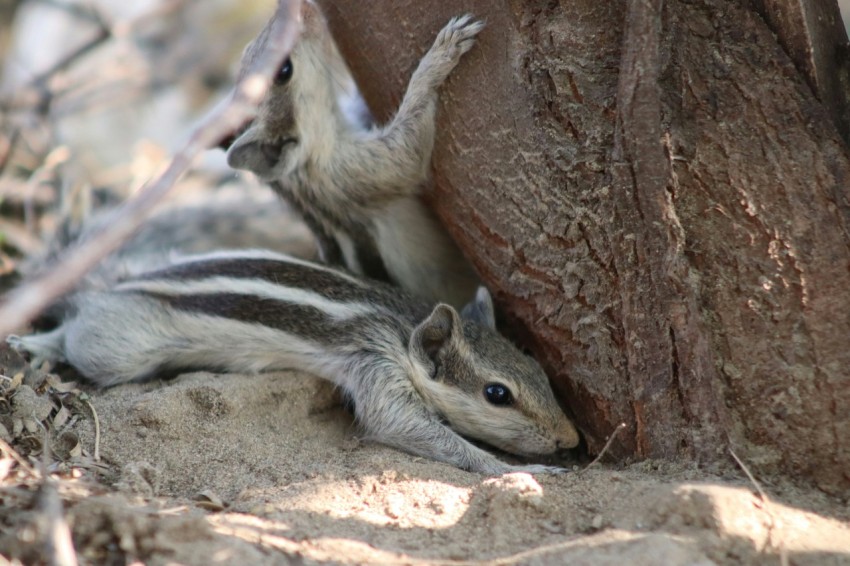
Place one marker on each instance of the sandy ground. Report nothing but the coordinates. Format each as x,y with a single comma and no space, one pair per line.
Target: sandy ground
268,469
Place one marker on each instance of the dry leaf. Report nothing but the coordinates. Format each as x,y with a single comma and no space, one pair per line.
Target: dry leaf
210,501
31,425
17,380
76,451
66,445
30,444
61,418
63,386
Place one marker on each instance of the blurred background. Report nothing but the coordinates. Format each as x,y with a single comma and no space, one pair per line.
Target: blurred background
96,95
109,73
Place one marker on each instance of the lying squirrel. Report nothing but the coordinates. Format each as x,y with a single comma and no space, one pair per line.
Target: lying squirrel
358,186
419,374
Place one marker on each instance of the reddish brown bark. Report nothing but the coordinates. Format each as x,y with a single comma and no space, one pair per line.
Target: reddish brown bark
658,199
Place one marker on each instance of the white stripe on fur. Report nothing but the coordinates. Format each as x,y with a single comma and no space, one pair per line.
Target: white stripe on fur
252,287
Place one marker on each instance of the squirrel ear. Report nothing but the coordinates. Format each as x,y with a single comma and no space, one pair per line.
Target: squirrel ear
435,332
481,310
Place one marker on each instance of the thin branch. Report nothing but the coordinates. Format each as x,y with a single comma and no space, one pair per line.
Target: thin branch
58,547
96,430
605,448
105,31
746,470
58,543
23,303
7,148
768,508
7,448
83,12
40,81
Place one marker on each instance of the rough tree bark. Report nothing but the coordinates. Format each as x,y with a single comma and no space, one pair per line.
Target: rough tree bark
658,198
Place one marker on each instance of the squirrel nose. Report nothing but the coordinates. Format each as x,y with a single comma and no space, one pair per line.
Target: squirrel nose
567,437
563,444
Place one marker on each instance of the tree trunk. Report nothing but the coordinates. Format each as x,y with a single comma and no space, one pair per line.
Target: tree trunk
658,200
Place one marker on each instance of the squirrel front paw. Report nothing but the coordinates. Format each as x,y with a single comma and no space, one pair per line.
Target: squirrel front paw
455,39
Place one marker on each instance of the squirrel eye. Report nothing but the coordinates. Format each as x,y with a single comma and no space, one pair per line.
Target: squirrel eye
284,73
498,394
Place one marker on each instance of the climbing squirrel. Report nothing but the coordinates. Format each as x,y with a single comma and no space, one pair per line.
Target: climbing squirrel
419,374
358,185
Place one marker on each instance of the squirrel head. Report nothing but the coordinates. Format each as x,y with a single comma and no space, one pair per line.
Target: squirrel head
483,385
311,95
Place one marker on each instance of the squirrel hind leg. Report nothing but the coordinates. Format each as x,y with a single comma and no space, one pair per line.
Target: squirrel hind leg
48,346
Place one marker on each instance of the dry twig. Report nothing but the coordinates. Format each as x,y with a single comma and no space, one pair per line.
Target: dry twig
96,429
27,300
58,547
752,478
7,146
104,32
783,552
605,448
7,448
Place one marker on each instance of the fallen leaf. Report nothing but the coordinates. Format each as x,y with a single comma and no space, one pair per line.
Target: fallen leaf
61,418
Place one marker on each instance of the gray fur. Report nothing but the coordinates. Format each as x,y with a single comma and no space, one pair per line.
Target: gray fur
415,371
358,186
183,230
